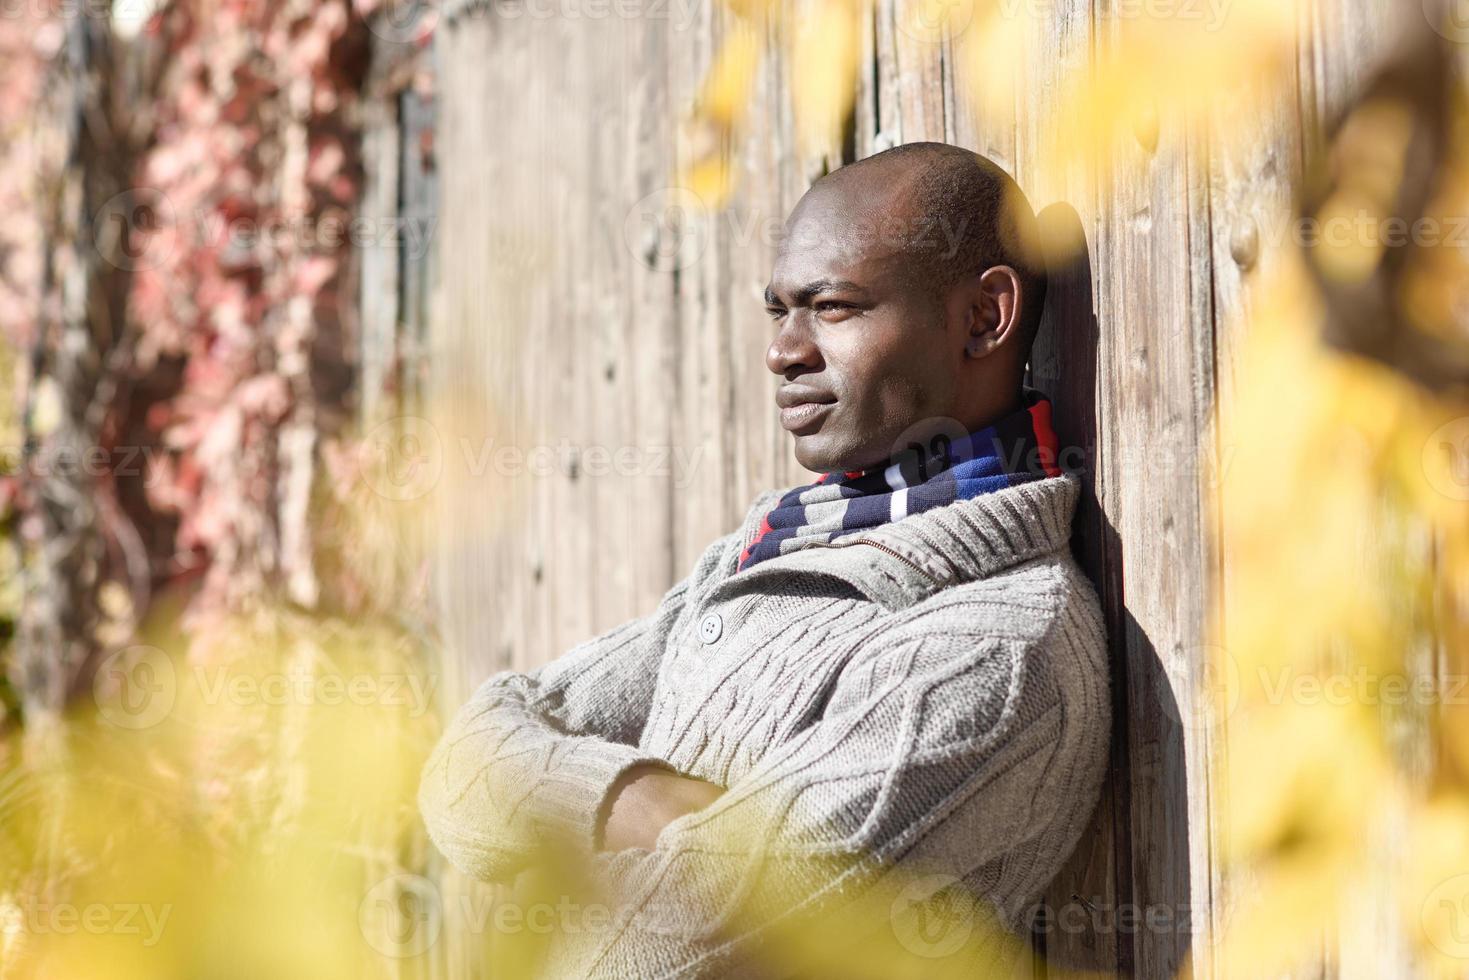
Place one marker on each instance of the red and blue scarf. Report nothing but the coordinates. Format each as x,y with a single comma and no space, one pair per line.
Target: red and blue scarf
1017,448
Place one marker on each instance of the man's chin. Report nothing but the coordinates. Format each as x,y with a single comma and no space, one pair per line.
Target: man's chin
817,453
812,453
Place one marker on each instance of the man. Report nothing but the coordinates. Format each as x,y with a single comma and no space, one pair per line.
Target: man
895,670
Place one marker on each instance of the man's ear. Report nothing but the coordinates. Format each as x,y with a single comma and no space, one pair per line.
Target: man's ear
993,313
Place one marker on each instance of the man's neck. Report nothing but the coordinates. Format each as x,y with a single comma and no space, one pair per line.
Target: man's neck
989,415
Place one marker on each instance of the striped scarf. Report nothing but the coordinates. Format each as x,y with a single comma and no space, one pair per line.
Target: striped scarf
1016,449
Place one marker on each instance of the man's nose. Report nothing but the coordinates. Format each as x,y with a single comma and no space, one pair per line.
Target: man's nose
793,348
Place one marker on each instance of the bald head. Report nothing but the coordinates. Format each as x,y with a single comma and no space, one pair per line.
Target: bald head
950,211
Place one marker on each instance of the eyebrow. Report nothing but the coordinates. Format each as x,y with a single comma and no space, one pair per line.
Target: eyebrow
804,294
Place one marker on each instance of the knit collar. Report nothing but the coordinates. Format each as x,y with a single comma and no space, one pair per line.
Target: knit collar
1019,447
905,561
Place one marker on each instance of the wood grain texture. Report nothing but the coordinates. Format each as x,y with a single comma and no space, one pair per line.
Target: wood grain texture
1078,931
585,301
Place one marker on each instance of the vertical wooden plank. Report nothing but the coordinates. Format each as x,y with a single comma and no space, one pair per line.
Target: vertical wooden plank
534,553
704,334
889,108
974,122
563,333
465,390
461,567
1079,931
980,127
918,56
650,322
612,532
866,109
1156,379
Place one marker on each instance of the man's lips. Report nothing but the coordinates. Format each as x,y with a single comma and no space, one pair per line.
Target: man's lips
800,406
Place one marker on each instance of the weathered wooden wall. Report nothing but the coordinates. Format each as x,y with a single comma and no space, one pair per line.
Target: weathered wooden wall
568,318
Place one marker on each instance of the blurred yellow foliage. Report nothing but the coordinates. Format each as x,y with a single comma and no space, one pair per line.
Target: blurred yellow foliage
225,814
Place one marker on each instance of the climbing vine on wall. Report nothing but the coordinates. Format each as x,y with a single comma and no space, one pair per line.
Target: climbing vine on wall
237,128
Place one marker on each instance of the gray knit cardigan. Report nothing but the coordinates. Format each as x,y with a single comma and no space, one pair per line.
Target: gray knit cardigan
930,695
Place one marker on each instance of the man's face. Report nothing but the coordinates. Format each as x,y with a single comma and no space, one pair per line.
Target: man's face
861,334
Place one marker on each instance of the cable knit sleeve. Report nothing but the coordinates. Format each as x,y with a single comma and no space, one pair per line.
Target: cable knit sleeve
943,752
528,760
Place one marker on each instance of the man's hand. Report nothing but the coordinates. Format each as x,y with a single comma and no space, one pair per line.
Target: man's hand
647,798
